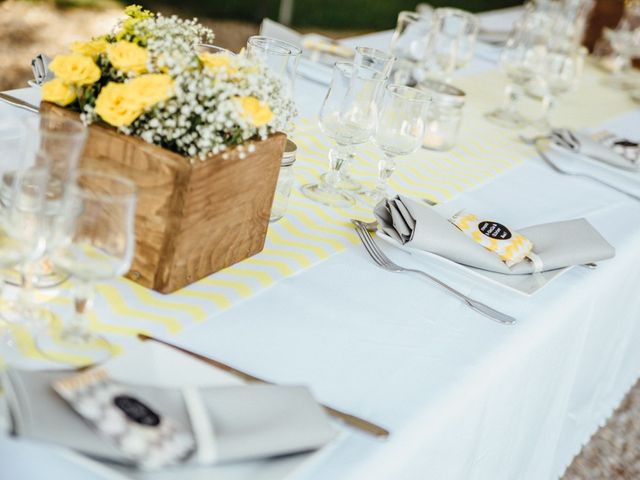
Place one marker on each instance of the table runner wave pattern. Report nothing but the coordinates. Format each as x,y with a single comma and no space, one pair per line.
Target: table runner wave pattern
310,232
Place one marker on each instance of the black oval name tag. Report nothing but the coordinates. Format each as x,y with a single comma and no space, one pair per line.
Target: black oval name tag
137,411
494,230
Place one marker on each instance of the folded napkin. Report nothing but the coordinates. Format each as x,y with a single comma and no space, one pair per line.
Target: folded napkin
556,245
248,422
40,67
610,150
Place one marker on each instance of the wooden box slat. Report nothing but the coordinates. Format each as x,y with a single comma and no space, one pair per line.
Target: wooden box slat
192,219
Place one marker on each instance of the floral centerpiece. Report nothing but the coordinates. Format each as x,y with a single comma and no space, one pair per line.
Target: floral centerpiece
149,78
156,102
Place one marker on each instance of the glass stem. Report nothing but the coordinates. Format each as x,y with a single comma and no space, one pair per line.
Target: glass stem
548,104
25,297
511,96
83,296
386,167
338,158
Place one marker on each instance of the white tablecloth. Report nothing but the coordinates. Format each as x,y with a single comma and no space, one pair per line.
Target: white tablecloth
465,398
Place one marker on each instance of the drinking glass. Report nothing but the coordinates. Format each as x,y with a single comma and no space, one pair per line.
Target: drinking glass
399,130
625,42
58,142
521,60
280,57
381,63
213,49
411,45
348,117
93,241
559,75
23,186
454,42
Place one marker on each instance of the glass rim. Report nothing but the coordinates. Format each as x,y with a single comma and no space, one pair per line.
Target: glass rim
397,88
414,16
221,49
288,49
123,197
347,68
77,126
377,53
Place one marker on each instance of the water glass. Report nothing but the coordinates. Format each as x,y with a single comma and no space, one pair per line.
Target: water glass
454,43
399,131
411,45
280,57
93,241
348,117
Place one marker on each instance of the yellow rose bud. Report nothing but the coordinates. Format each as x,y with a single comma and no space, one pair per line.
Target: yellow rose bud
75,69
151,89
118,105
255,111
217,61
90,49
57,91
127,57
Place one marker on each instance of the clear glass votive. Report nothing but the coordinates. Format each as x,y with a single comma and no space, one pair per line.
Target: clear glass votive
285,183
443,116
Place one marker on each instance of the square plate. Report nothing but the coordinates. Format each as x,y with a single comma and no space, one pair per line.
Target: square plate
525,285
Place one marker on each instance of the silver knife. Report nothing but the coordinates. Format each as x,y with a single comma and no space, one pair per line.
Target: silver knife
16,102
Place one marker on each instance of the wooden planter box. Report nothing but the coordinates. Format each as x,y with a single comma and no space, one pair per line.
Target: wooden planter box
192,219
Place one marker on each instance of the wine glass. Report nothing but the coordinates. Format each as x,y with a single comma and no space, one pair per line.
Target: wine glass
348,117
454,42
521,60
399,130
381,63
559,75
23,187
93,241
411,45
625,42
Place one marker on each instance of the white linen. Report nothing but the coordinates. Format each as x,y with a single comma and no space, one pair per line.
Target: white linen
465,398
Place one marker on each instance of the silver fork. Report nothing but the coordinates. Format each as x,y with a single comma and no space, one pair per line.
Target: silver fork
536,144
384,262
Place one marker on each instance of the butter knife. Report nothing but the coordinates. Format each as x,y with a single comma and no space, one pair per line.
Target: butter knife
16,102
351,420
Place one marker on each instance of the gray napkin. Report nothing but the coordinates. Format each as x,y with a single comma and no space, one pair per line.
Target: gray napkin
40,67
586,145
559,244
249,422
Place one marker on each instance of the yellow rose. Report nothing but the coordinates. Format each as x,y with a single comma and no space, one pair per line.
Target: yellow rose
127,57
90,49
255,111
151,89
57,91
216,61
118,105
75,69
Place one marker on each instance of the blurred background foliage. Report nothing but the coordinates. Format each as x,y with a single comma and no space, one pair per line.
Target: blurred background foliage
331,14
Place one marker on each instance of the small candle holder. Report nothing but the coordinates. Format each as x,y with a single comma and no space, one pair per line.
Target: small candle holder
285,182
443,116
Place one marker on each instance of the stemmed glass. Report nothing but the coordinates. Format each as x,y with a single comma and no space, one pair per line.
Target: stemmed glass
521,60
625,42
454,41
399,130
347,116
411,45
23,185
280,57
559,75
93,241
381,63
58,142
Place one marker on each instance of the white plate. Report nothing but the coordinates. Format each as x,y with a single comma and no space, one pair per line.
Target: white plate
525,285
